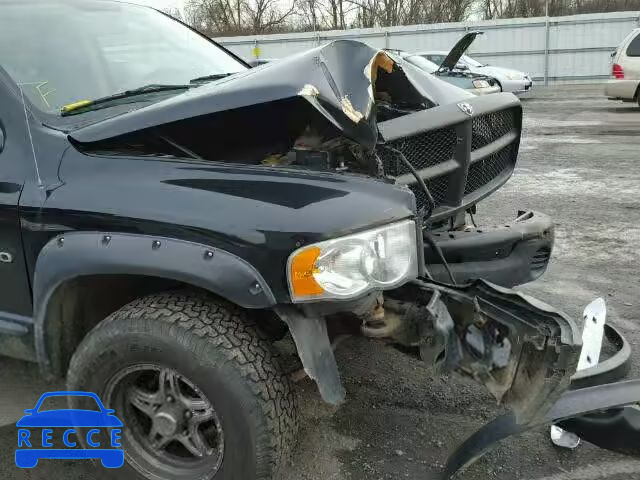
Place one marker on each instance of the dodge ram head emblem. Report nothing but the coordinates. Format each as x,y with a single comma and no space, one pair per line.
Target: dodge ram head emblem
466,108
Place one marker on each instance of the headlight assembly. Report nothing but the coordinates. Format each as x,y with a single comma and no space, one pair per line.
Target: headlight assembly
480,84
346,267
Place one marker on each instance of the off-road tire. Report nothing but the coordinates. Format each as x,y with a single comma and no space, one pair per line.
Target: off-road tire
218,347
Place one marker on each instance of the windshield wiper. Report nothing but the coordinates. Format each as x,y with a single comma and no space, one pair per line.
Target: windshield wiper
209,78
103,102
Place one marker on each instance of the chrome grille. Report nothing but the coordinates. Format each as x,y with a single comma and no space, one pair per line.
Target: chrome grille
488,128
423,150
431,148
438,187
484,171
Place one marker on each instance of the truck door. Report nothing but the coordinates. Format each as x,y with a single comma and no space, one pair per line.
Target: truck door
15,292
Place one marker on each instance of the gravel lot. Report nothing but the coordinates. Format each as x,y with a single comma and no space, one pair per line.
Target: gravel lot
579,163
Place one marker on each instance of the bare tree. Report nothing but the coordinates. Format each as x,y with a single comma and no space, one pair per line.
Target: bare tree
406,12
238,17
173,12
216,16
308,11
597,6
264,16
325,14
536,8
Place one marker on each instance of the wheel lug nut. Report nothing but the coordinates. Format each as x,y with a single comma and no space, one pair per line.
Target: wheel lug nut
170,399
188,414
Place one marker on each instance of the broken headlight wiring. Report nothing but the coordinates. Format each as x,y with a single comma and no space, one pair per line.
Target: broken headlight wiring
429,210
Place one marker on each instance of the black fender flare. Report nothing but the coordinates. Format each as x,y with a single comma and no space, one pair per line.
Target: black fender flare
78,254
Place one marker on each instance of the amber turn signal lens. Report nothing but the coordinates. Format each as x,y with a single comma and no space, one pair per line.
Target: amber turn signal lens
302,268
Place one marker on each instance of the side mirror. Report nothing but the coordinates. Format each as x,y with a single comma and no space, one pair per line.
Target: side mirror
613,54
28,411
109,411
461,66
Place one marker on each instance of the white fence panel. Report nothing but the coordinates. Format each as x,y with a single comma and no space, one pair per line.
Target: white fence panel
559,49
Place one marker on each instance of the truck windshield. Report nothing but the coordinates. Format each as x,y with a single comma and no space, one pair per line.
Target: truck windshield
422,63
65,51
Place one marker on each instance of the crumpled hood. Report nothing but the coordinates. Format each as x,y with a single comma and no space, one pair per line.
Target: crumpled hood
338,79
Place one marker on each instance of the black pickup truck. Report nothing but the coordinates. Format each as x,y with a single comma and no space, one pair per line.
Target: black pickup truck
167,213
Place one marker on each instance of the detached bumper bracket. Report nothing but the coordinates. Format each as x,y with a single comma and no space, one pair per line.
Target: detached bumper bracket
501,331
312,341
513,254
574,403
610,370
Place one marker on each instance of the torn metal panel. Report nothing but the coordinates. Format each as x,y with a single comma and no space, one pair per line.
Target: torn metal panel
379,60
537,382
522,350
445,350
315,351
349,111
309,91
610,370
451,326
594,316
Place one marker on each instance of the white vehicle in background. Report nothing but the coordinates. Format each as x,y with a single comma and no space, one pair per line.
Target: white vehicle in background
625,70
510,80
471,82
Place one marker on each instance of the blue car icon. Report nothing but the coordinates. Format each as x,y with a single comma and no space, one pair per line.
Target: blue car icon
31,448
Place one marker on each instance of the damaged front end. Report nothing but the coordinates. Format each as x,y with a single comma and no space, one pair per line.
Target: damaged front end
522,350
347,109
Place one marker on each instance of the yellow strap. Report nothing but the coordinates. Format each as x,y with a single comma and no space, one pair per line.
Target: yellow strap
76,105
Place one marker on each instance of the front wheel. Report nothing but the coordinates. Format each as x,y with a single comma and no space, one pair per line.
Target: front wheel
198,390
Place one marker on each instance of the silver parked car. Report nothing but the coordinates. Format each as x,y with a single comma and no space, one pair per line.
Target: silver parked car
471,82
625,70
510,80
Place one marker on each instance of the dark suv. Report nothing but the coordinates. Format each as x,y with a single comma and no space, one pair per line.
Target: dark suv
169,212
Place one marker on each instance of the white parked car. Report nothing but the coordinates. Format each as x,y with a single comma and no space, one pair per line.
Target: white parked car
447,71
510,80
625,70
471,82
